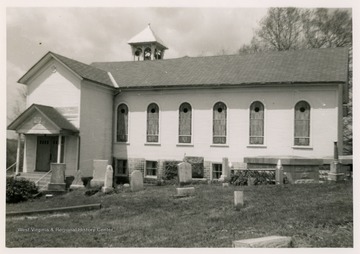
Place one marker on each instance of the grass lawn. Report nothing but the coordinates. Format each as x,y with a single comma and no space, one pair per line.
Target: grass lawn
315,215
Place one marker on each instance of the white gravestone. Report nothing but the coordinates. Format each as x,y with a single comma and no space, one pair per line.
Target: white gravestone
136,181
279,173
184,172
238,199
183,192
225,176
99,170
57,181
108,183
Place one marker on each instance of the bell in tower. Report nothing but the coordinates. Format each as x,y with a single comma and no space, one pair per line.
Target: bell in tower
147,46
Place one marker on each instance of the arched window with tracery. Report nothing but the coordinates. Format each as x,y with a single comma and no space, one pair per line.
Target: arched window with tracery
302,124
152,130
256,123
185,113
122,123
219,123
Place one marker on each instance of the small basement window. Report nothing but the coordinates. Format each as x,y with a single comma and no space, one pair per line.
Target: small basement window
121,168
151,168
216,170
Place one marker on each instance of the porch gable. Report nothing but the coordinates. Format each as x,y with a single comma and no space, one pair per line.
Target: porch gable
40,119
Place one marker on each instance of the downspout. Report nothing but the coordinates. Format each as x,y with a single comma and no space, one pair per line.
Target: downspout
116,93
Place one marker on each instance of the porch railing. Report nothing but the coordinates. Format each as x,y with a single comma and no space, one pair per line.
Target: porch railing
11,167
38,181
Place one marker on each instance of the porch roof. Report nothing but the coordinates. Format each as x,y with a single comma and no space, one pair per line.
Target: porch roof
53,122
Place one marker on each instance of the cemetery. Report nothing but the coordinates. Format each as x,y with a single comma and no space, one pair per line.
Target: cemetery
184,213
214,151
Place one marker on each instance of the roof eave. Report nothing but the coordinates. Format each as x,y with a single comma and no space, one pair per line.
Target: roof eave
222,85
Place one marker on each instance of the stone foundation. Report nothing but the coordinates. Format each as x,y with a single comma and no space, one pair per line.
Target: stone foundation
295,168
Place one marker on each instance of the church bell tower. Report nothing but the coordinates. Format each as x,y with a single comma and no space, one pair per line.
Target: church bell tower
147,46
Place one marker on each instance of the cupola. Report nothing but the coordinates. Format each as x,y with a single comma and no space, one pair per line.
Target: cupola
146,45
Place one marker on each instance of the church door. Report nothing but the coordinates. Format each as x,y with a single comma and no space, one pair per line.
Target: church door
47,148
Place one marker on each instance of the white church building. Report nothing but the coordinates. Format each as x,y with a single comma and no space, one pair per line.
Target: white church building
139,114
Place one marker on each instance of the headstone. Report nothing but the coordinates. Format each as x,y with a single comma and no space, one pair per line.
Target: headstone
279,173
251,181
335,173
197,166
77,183
57,180
238,199
136,181
99,170
225,184
264,242
184,172
108,182
185,192
126,185
300,181
225,170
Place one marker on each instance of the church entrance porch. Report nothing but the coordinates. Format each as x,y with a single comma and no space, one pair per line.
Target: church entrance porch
50,149
48,138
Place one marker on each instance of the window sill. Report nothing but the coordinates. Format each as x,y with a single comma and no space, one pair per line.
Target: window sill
122,143
185,144
256,146
219,145
152,144
121,175
303,147
150,177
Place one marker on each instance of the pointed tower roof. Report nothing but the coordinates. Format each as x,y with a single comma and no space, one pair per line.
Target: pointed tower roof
147,35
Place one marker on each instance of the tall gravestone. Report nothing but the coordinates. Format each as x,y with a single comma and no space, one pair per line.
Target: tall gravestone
335,173
184,172
108,181
225,170
238,199
279,171
136,181
57,180
99,170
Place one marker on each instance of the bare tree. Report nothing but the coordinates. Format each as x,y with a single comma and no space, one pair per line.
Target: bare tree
254,46
19,106
281,29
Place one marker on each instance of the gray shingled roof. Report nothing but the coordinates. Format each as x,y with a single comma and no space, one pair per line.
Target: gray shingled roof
86,71
58,119
301,66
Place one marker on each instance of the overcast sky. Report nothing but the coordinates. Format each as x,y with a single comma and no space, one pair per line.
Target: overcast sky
96,34
101,34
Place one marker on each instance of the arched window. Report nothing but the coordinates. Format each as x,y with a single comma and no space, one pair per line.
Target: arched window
158,54
185,113
138,53
257,123
147,54
152,132
219,123
122,123
302,124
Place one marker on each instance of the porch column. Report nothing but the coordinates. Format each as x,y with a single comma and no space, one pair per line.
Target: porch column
59,150
18,154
